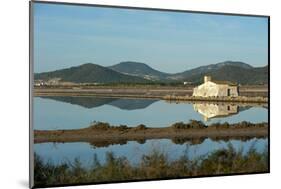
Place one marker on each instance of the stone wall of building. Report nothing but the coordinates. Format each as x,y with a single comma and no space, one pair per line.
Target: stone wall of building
226,90
207,89
210,88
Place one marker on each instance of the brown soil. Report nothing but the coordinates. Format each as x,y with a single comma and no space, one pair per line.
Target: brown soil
106,135
247,94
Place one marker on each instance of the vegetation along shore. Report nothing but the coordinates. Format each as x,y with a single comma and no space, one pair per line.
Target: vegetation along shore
194,129
154,165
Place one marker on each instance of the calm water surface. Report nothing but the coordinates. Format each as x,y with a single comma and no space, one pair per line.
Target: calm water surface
78,112
133,151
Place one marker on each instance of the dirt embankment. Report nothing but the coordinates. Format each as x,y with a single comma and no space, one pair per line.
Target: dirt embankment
103,132
137,92
238,99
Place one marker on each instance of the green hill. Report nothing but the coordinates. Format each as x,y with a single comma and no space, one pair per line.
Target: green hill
140,70
89,73
135,72
237,72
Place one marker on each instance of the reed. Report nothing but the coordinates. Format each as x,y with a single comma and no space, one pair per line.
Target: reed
155,165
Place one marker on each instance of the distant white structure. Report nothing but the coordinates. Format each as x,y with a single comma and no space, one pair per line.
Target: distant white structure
215,88
53,81
39,83
187,83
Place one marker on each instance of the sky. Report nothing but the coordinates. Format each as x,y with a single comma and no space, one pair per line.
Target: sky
172,42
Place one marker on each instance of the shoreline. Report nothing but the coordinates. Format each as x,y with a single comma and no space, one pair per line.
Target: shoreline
238,99
161,93
103,132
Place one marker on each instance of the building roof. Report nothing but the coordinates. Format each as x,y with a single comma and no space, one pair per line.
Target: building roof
224,83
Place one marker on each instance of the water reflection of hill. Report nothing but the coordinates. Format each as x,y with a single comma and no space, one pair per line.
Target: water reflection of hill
132,104
86,102
93,102
176,140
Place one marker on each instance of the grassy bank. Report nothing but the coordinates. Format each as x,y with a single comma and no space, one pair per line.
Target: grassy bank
146,91
152,166
239,99
100,131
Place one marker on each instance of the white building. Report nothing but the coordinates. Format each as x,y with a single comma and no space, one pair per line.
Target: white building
215,88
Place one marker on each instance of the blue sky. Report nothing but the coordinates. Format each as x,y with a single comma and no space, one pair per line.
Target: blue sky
66,35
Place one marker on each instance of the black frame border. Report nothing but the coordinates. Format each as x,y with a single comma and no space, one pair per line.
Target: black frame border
31,63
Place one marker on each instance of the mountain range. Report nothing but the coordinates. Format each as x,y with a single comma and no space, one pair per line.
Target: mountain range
89,73
136,72
140,70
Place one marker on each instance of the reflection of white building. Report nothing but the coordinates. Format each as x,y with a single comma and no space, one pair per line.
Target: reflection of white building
215,88
215,110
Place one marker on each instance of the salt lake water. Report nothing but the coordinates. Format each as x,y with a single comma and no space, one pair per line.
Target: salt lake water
78,112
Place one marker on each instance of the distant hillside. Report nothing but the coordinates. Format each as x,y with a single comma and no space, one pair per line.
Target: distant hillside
89,73
234,74
135,72
234,71
237,72
139,69
208,68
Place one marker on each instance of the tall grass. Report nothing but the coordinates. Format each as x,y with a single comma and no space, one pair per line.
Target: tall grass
155,165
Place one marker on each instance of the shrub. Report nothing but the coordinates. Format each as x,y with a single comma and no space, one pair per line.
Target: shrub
141,127
100,126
